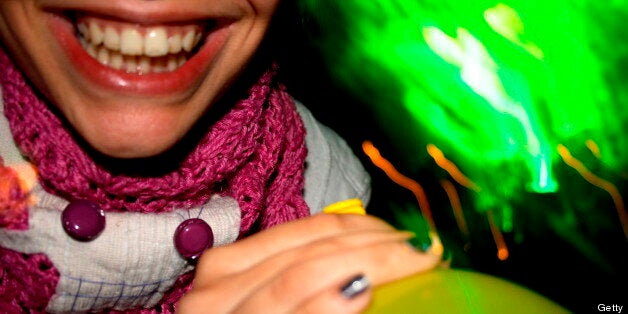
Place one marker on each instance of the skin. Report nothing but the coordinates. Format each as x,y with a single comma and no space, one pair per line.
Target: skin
293,271
298,267
122,123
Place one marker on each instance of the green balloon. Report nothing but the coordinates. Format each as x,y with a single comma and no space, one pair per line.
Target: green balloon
458,291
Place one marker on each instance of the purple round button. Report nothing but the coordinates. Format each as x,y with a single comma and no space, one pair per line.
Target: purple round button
192,237
83,220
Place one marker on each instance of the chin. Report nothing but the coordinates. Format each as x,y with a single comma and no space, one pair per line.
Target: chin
133,144
130,150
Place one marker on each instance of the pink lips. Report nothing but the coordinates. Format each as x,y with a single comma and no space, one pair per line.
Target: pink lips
189,74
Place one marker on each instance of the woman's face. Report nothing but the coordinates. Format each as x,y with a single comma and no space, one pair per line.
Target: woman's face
132,76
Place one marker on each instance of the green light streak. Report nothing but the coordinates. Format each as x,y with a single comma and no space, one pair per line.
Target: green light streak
479,71
496,85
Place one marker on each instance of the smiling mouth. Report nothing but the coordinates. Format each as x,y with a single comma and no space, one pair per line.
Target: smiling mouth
139,49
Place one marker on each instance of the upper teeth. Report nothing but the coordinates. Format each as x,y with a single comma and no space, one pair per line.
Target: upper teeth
134,40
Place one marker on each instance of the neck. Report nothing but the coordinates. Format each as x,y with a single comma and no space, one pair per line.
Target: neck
202,165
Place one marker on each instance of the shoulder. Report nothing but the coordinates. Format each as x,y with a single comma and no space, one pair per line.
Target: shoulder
9,153
333,172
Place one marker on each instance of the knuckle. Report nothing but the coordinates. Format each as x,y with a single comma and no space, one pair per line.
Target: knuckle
327,245
212,263
186,304
289,282
210,256
403,260
200,301
328,222
183,305
339,222
331,222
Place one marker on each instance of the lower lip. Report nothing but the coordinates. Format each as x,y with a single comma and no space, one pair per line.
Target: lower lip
188,75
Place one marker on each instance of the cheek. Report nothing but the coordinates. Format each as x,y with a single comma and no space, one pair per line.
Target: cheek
15,37
264,8
27,39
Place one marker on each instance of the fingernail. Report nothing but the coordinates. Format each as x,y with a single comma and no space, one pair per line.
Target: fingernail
354,287
407,234
424,247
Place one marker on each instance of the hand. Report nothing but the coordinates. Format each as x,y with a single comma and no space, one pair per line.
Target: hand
301,267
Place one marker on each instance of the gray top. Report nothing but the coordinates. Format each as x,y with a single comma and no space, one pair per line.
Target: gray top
333,172
134,261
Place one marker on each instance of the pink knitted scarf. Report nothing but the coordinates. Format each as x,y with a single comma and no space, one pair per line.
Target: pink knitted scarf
254,153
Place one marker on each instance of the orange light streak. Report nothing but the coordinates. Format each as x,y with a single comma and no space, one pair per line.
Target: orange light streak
451,168
456,205
419,193
595,150
599,182
502,249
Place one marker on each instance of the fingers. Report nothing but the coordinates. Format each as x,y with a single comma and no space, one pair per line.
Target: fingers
222,261
301,267
298,286
236,287
337,301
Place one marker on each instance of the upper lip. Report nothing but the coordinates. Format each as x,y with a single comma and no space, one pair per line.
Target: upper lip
140,12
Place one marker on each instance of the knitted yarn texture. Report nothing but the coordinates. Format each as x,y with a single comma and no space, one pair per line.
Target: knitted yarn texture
255,153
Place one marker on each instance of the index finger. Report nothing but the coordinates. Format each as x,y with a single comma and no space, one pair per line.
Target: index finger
245,253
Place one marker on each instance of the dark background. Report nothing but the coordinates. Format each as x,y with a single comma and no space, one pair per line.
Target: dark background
543,261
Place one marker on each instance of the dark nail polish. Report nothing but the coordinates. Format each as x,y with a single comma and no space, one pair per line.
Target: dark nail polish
355,286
